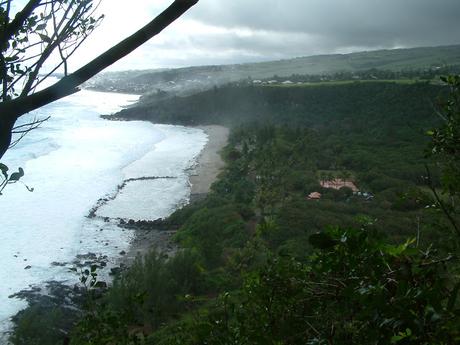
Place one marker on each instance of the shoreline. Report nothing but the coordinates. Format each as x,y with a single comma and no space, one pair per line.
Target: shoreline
202,175
209,162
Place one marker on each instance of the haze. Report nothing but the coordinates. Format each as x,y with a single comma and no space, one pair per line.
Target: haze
219,32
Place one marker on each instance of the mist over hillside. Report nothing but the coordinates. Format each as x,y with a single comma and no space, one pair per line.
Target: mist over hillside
327,208
162,83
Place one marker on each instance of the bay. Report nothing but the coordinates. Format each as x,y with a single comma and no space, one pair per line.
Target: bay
72,161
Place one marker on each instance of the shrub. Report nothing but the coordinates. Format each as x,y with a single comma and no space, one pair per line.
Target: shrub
355,289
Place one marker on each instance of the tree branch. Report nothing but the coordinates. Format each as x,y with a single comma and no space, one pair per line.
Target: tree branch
11,110
57,38
18,21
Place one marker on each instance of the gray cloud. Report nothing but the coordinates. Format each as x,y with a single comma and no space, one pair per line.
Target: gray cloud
332,16
233,31
304,27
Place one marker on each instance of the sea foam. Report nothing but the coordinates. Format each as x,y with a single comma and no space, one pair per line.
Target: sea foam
75,159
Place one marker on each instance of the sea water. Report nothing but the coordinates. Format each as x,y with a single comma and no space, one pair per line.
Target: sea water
72,161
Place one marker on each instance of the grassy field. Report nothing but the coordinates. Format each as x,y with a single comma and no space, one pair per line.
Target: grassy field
205,77
346,82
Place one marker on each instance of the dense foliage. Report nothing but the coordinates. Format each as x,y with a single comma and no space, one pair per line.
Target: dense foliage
354,103
445,143
262,264
354,290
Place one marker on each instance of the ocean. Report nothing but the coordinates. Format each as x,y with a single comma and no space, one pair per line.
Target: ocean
72,162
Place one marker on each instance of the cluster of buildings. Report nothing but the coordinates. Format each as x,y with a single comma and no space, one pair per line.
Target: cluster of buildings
337,184
274,81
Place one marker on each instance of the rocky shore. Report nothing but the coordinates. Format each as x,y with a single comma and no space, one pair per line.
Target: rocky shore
157,234
208,167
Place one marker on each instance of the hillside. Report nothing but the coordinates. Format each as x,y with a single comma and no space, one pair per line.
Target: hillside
183,81
309,105
273,247
272,255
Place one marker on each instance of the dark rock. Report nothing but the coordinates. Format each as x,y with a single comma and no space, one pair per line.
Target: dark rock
58,264
115,270
92,213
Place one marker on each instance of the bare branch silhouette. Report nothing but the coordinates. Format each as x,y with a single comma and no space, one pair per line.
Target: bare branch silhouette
12,109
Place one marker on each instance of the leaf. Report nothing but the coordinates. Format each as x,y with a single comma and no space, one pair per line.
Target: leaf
401,336
45,38
17,175
399,250
11,58
322,241
41,26
4,170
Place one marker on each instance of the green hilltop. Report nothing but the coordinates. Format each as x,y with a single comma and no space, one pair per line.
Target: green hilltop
189,79
274,253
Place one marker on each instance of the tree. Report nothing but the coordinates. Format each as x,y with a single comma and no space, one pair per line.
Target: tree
46,27
445,149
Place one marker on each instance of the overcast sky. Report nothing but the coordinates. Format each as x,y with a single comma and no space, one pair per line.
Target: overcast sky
233,31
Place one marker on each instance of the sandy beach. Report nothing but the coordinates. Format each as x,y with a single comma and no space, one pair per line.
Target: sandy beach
209,164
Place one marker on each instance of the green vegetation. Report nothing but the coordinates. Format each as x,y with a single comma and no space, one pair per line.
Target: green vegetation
182,81
353,290
262,264
445,147
314,106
